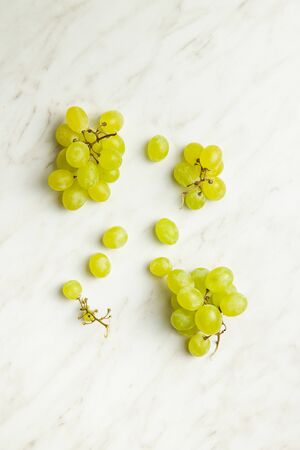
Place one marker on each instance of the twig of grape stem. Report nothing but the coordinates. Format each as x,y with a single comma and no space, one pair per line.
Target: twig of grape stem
218,338
88,316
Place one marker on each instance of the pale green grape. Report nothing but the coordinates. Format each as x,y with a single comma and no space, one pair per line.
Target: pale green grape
72,289
110,159
59,180
215,190
97,147
174,302
99,265
89,136
190,298
198,345
113,143
218,296
110,176
74,197
77,119
215,172
208,319
190,332
88,175
194,199
160,267
181,319
192,152
78,154
62,163
65,136
233,304
100,192
178,279
115,237
198,276
166,231
219,279
88,317
185,174
210,157
111,121
157,148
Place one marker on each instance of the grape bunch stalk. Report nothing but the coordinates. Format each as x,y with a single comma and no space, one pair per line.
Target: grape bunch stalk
89,159
198,173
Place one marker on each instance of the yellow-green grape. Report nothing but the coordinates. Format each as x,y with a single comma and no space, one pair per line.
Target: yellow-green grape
181,319
78,154
88,317
218,296
190,332
192,152
233,304
157,148
194,199
100,192
89,136
219,279
115,237
215,172
113,143
74,197
174,302
215,190
77,119
88,175
198,345
166,231
198,276
59,180
99,265
190,298
208,319
62,163
65,136
72,289
160,267
110,176
110,159
111,121
178,279
211,157
97,147
185,174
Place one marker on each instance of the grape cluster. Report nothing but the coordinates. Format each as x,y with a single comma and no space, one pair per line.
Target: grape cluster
198,173
199,301
89,159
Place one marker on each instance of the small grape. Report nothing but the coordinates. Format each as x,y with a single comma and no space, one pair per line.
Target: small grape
233,304
160,267
181,319
97,147
74,197
166,231
59,180
208,319
77,119
115,237
198,276
78,154
99,265
100,192
110,159
89,136
178,279
215,190
219,279
157,148
190,298
72,290
190,332
62,163
192,152
218,296
113,143
215,172
87,317
174,302
111,121
88,175
198,345
65,136
185,174
110,176
210,157
194,199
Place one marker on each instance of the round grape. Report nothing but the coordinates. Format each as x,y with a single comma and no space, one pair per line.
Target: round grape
111,121
110,176
74,197
59,180
218,296
100,192
178,279
110,159
194,199
62,163
215,190
166,231
115,237
99,265
219,279
72,290
88,175
198,345
190,332
65,136
233,304
160,267
77,119
157,148
198,276
190,298
113,143
192,152
215,172
208,319
210,157
78,154
181,319
185,174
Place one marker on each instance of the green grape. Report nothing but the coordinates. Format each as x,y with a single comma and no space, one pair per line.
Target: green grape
198,276
99,265
115,237
215,172
190,332
192,152
194,199
88,175
233,304
100,192
211,157
77,119
208,319
178,279
72,290
190,298
181,319
59,180
166,231
110,176
113,143
111,121
217,297
215,190
110,159
97,147
62,163
74,197
174,302
218,279
88,317
198,345
65,136
78,154
160,267
157,148
89,136
185,174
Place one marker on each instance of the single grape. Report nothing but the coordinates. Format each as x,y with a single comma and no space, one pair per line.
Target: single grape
215,172
110,159
215,190
185,174
99,265
233,304
190,332
59,180
62,163
110,176
113,143
160,267
88,317
78,154
194,199
166,231
210,157
218,296
208,319
190,298
181,319
72,289
157,148
65,136
100,192
198,345
174,302
74,197
192,152
97,147
178,279
88,175
198,276
77,119
111,121
219,279
89,136
115,237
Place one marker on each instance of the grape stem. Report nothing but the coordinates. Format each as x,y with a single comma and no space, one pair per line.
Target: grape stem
218,335
85,310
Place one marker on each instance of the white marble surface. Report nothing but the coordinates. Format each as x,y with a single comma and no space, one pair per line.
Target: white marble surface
224,72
